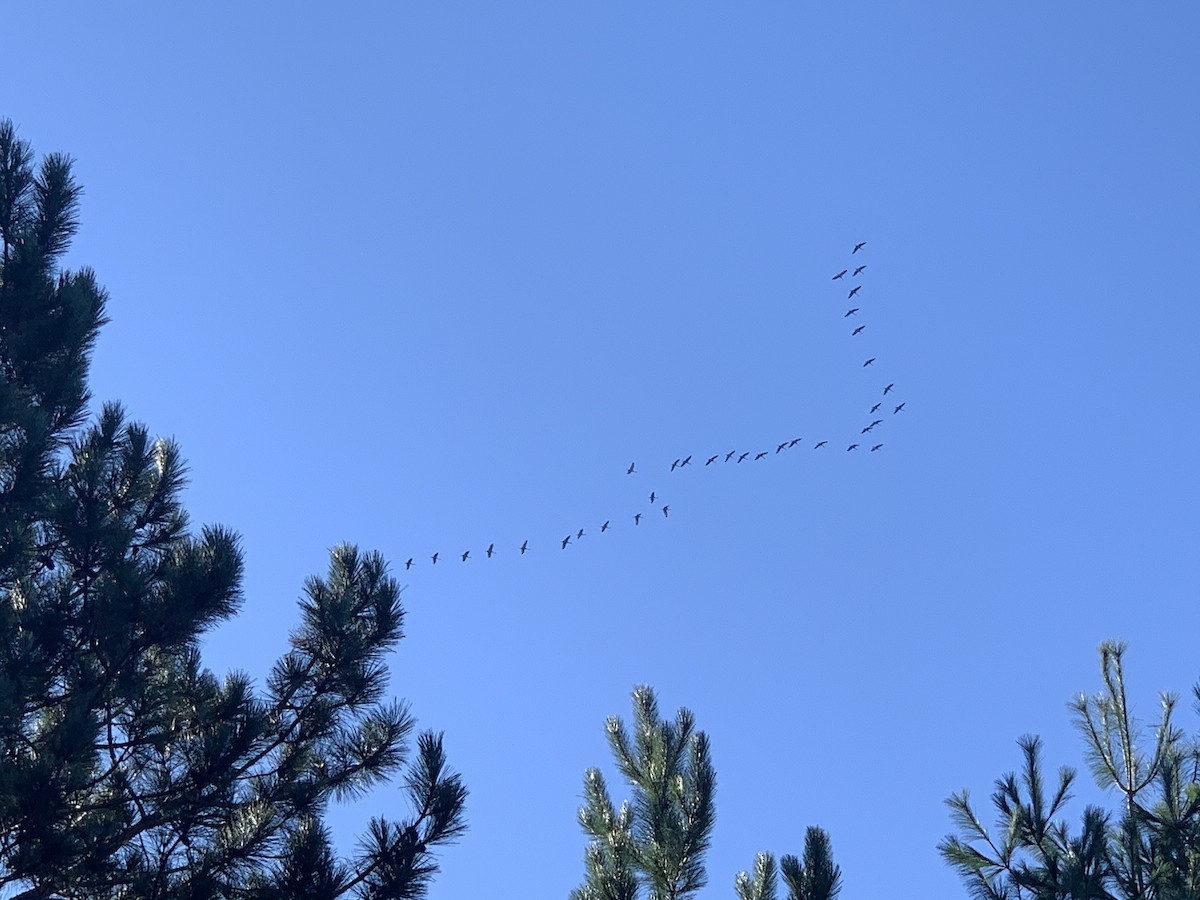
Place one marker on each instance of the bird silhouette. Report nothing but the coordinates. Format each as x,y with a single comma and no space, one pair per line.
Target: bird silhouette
675,465
466,553
566,541
685,462
897,409
820,445
857,288
760,456
578,536
888,388
851,447
857,330
851,312
858,247
781,446
490,550
712,459
868,362
666,509
409,564
637,519
604,527
730,455
435,556
743,456
865,430
875,408
856,271
630,470
876,447
877,422
794,441
840,274
652,496
524,547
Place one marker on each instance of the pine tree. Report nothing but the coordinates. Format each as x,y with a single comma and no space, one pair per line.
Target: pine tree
658,840
1147,849
126,768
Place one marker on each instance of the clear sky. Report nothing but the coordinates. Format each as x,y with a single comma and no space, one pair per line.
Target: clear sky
430,277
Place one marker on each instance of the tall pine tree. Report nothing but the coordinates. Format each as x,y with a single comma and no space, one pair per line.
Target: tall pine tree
126,768
658,841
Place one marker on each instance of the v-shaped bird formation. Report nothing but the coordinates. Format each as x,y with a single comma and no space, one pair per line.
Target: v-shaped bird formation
734,457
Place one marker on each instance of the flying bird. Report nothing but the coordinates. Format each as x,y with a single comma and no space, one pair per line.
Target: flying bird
578,536
840,274
409,564
743,456
435,556
856,271
820,445
630,470
875,408
865,430
524,547
466,553
490,550
604,527
868,362
730,455
888,388
857,330
781,446
851,447
877,422
876,447
637,519
685,462
760,456
711,460
857,288
898,408
652,496
674,465
566,541
666,509
858,247
794,441
852,312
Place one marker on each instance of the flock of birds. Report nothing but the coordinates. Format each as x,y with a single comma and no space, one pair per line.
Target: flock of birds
851,272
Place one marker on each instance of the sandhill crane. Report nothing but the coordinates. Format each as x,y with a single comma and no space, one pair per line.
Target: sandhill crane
604,527
794,441
712,459
851,447
856,271
851,312
876,447
898,408
685,462
781,446
435,556
524,546
868,362
858,247
637,519
666,509
760,456
857,288
490,550
887,389
819,445
743,456
857,330
675,465
578,536
840,274
730,455
877,422
875,408
409,564
652,496
466,553
630,470
566,541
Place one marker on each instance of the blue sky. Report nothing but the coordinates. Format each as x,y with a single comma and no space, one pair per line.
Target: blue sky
426,278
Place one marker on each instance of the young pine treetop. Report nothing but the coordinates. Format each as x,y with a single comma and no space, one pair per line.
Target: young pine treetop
127,769
658,841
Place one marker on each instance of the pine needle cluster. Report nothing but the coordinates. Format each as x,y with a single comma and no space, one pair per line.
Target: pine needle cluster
657,841
126,768
1147,849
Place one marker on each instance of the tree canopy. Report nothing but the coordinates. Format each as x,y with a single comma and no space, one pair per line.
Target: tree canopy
128,769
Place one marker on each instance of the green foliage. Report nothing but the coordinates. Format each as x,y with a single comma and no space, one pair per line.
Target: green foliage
127,769
658,840
1148,849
